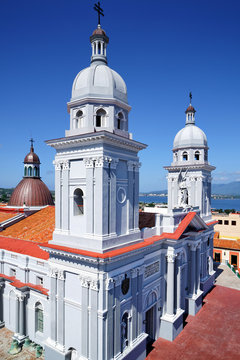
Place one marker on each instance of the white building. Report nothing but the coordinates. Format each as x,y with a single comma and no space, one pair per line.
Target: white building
101,288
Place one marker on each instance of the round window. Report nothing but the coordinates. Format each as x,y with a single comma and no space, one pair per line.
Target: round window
121,195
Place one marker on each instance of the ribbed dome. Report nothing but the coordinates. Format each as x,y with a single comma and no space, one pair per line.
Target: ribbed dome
31,192
190,136
31,157
99,81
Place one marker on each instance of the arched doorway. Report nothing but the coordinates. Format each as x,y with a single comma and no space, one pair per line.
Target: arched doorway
150,316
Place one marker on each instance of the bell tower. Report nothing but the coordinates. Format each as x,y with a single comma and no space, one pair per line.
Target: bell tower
96,163
189,176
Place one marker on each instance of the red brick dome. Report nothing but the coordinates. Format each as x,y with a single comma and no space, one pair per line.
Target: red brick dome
31,192
190,109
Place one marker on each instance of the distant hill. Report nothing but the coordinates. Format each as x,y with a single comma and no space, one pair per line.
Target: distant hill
232,188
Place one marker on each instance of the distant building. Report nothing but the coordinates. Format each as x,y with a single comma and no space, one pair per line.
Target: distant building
227,239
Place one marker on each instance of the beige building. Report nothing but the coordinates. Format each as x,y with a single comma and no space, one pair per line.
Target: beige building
227,239
228,225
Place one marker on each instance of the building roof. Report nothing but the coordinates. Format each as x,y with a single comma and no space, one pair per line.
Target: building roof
23,247
31,191
190,109
37,227
226,244
31,157
18,284
6,214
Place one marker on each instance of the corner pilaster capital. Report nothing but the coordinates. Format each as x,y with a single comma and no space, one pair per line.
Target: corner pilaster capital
114,164
171,257
57,164
89,163
109,284
53,273
193,246
21,297
118,279
66,165
61,275
134,272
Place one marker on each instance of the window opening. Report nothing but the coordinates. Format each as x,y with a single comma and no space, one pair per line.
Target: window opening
29,171
185,156
78,202
39,280
220,222
234,260
39,318
197,155
12,272
217,257
234,222
225,222
100,117
25,171
124,331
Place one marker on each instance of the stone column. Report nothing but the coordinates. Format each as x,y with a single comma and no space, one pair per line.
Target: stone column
21,327
17,315
113,195
179,270
53,304
130,196
170,283
139,300
65,196
193,268
136,194
60,309
198,263
133,280
89,206
58,194
2,323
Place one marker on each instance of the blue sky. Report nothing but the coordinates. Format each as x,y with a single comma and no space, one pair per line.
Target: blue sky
162,49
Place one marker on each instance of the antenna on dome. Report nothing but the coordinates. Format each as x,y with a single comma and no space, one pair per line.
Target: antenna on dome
190,97
99,10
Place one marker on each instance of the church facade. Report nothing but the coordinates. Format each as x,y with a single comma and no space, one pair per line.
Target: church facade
101,288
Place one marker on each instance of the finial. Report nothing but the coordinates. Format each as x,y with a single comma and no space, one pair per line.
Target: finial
190,97
31,141
99,10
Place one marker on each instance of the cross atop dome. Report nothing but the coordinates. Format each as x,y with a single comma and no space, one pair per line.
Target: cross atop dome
99,11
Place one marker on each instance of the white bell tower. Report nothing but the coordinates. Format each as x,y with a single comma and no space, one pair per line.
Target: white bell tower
97,164
189,176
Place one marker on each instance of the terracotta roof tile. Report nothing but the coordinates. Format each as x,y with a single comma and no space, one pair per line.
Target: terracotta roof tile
5,215
226,244
23,247
18,284
37,227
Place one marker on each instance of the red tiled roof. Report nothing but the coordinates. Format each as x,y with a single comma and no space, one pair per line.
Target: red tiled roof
6,214
18,284
175,236
23,247
37,227
226,244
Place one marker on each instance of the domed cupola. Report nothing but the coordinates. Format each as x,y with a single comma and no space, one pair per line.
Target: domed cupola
31,191
190,143
99,94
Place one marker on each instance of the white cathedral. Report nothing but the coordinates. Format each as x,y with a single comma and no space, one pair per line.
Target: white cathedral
111,287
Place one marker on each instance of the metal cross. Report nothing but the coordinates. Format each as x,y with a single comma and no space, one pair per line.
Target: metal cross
99,10
31,141
190,96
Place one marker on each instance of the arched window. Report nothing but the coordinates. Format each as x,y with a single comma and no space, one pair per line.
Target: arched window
205,155
197,155
29,171
100,118
124,331
78,202
39,317
79,116
185,156
25,171
35,171
176,156
120,121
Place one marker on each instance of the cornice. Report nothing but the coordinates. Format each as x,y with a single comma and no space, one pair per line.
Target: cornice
90,100
190,167
96,137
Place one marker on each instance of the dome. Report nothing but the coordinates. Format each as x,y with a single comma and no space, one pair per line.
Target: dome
190,109
31,157
99,81
190,136
31,192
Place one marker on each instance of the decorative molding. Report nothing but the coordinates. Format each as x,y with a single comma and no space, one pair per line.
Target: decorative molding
21,297
89,163
61,275
114,163
171,258
53,273
152,269
134,272
58,165
66,165
89,282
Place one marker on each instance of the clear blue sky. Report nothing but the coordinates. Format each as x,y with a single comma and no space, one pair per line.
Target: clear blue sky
162,49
